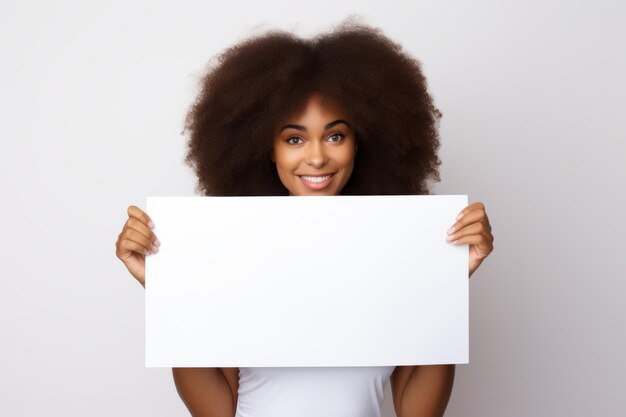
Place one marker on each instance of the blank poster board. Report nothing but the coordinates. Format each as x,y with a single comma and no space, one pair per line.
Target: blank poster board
306,281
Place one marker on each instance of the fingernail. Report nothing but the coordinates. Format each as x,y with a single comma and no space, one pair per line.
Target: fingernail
150,224
449,239
451,230
156,242
155,249
459,216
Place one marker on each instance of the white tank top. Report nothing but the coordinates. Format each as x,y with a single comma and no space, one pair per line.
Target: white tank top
312,391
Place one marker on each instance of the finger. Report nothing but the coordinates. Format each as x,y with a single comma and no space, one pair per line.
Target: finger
479,240
140,215
480,243
133,223
472,229
137,237
474,206
127,247
469,216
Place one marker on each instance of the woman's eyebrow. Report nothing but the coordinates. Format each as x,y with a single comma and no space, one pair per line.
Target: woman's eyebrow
302,128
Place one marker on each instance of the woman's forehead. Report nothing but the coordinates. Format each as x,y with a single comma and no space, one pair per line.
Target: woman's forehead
324,102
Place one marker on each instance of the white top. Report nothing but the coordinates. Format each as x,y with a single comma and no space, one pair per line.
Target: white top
312,391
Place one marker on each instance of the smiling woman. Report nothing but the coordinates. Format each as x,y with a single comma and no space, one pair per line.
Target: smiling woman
257,87
347,112
314,153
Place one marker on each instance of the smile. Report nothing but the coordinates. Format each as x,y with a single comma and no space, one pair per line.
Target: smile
317,182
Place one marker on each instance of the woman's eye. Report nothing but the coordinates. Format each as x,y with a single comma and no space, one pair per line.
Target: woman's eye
335,137
294,140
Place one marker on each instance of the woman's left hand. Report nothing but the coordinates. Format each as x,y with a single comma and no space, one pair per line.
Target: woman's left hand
472,227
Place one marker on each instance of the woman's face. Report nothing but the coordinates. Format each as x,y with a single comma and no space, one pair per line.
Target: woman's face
314,151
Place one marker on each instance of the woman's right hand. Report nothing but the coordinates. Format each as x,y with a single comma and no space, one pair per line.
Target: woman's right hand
136,242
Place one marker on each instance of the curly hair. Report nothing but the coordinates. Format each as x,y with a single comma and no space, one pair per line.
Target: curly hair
254,85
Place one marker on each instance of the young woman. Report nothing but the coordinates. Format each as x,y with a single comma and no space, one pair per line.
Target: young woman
347,112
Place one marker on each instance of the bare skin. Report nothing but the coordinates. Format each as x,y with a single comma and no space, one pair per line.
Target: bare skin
304,157
206,392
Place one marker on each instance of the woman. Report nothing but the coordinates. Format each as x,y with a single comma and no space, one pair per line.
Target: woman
347,112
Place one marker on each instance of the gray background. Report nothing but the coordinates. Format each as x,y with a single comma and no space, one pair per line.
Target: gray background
92,102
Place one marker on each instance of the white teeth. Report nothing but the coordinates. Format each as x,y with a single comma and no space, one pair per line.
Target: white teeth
316,179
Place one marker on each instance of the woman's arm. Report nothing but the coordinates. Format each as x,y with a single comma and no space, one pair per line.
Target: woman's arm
208,392
422,391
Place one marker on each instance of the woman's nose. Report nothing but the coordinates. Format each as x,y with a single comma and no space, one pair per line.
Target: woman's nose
316,155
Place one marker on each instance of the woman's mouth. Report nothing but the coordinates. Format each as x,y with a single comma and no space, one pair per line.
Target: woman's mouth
317,182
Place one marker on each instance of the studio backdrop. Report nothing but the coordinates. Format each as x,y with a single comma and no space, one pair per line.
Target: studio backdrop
93,98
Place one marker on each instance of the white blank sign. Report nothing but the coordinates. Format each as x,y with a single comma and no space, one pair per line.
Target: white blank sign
306,281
